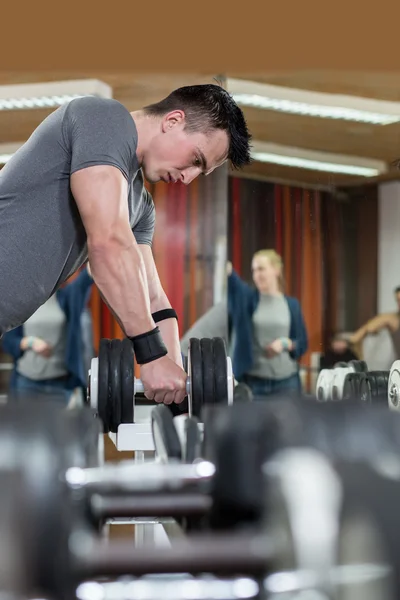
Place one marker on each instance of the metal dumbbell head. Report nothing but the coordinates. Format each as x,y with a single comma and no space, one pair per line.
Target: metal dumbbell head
112,386
358,366
339,378
394,386
324,385
189,434
330,382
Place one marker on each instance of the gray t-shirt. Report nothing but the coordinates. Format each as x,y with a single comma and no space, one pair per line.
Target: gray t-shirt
271,320
49,323
42,238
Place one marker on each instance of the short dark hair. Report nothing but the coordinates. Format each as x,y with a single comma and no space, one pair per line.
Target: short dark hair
208,107
397,289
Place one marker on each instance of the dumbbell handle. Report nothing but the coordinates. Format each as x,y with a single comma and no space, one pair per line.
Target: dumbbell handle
169,504
182,588
139,387
141,477
230,554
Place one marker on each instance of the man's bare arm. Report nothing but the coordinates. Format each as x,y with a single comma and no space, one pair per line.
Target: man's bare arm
372,326
159,301
116,262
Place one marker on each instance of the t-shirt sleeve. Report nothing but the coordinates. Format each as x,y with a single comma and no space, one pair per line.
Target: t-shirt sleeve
144,230
100,131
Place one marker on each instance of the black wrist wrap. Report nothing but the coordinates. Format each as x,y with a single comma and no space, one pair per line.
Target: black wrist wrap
166,313
148,346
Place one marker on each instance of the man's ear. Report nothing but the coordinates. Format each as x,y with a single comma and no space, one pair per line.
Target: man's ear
172,119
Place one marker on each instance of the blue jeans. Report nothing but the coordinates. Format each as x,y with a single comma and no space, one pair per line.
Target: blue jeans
24,388
264,388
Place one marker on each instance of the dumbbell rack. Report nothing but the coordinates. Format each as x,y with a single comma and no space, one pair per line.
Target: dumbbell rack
138,437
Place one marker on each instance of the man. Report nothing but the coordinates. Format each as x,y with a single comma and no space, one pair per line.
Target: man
74,192
389,321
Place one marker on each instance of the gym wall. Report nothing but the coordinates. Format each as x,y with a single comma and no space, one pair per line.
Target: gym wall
388,244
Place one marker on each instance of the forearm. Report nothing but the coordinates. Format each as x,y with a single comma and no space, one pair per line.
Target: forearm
359,335
26,342
168,328
119,273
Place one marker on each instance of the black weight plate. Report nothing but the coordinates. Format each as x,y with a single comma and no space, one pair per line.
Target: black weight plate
15,524
351,387
196,382
81,442
365,391
32,441
378,383
359,366
220,371
115,384
166,440
193,440
127,381
81,429
207,356
238,439
103,384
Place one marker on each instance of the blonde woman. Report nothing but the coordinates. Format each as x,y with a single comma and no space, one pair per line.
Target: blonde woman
269,333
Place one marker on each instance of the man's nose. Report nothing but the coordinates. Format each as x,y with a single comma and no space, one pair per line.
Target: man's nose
188,175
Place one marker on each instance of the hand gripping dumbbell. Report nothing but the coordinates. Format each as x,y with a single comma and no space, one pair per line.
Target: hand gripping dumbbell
112,386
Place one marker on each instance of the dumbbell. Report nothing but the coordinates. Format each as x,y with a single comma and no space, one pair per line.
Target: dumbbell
301,528
74,436
301,503
112,386
330,382
175,438
352,554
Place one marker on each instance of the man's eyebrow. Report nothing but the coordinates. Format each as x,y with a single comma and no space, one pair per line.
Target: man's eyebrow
203,160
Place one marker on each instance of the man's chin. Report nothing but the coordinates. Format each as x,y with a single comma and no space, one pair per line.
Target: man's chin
151,178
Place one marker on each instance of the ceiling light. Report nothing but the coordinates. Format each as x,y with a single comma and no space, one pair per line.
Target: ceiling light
314,104
51,94
317,161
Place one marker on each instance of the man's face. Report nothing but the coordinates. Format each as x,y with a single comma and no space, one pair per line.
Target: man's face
174,154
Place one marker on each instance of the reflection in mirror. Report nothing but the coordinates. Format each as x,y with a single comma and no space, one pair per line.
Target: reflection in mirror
319,205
